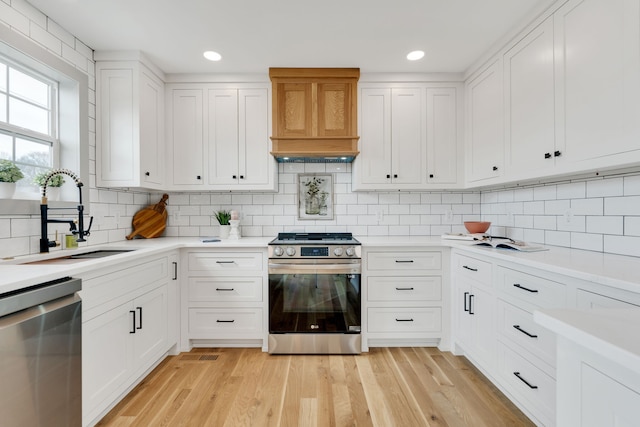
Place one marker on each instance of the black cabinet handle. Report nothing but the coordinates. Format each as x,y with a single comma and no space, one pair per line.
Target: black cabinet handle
175,270
395,175
471,297
547,155
404,320
147,173
133,326
404,289
469,268
404,261
225,262
525,332
140,314
557,153
234,177
519,286
241,176
531,386
430,175
495,168
388,176
198,177
466,306
224,321
224,289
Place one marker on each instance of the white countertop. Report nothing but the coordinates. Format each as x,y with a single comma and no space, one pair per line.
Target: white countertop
607,332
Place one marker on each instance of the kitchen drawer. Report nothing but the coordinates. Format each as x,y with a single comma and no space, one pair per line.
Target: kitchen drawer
224,289
535,389
216,323
401,261
421,319
472,268
203,263
517,326
532,289
404,288
587,299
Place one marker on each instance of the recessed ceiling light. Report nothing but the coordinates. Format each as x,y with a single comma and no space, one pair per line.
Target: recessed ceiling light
415,55
212,56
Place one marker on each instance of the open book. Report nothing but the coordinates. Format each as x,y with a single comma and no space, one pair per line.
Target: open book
511,244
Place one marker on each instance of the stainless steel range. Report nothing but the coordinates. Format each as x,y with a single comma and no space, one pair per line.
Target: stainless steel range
314,294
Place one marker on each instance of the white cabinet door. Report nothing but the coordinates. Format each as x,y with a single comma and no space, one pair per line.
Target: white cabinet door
107,361
597,57
150,338
485,131
374,161
222,136
443,134
407,148
256,164
185,133
530,147
152,142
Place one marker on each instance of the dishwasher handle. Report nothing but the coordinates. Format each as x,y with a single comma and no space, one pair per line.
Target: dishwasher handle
14,301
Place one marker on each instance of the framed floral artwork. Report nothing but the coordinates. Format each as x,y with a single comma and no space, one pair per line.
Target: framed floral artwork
315,196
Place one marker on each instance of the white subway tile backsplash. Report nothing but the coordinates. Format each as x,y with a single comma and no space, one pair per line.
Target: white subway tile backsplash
542,222
556,207
587,206
586,241
605,224
573,190
605,187
452,198
557,238
523,195
571,223
533,208
430,198
632,185
632,226
629,205
48,40
623,245
545,192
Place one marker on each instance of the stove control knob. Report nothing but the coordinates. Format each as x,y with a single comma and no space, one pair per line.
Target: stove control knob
338,251
351,251
291,251
278,251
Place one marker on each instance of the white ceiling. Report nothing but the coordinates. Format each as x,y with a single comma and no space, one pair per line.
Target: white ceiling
253,35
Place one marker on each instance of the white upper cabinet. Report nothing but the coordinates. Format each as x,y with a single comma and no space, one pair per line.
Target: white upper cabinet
444,131
485,124
530,146
597,57
409,137
129,123
185,136
238,140
218,138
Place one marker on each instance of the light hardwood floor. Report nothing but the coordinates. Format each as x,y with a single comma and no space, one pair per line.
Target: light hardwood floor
403,387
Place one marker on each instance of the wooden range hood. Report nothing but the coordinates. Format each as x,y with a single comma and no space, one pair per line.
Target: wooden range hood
314,114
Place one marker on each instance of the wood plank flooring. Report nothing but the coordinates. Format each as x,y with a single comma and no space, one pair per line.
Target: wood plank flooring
387,387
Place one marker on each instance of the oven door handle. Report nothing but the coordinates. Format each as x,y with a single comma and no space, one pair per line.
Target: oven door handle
354,268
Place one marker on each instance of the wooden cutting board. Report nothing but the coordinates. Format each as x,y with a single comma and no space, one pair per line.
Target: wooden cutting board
151,221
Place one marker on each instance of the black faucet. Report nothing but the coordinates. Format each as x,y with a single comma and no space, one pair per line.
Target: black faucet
45,243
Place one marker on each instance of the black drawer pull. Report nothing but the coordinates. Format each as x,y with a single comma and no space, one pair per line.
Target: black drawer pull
470,304
175,271
469,268
557,153
404,320
547,155
404,289
525,332
531,386
225,321
519,286
225,262
466,306
140,313
404,261
224,289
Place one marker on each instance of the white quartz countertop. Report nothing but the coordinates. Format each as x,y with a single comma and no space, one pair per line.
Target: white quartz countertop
607,332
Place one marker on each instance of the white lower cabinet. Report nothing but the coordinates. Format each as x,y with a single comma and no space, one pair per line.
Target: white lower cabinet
224,297
403,298
125,331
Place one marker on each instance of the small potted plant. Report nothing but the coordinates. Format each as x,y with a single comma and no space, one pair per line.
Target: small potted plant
9,175
53,187
223,218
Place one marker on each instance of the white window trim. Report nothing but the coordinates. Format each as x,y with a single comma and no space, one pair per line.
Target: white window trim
73,104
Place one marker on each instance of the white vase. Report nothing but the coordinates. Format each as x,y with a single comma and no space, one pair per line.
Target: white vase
7,190
224,231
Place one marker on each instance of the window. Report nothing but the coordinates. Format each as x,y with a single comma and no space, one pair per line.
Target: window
28,122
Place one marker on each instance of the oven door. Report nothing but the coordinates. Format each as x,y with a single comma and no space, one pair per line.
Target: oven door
315,296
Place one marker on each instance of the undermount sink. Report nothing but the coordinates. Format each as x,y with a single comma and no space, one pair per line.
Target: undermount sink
85,256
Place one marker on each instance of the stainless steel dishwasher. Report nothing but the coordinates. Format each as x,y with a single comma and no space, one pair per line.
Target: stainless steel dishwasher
41,355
